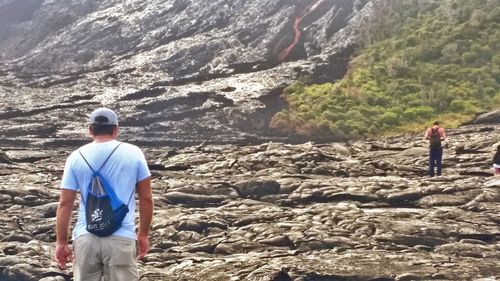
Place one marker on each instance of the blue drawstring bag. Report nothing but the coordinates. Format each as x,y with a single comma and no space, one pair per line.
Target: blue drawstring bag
104,210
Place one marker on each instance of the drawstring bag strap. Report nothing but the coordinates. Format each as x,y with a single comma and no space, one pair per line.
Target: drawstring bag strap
102,163
131,195
93,171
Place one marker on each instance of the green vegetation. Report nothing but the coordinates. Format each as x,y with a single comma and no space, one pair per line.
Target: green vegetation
420,60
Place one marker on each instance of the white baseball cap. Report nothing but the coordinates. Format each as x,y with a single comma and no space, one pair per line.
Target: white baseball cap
103,116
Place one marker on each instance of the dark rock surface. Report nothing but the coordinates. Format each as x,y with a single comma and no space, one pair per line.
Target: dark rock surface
492,117
340,211
177,71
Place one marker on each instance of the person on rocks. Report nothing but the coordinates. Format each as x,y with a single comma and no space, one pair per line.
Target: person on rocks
113,257
436,135
496,162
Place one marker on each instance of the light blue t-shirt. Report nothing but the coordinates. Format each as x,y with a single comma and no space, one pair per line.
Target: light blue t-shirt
126,167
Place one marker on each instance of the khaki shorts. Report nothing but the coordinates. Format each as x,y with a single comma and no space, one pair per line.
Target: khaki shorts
112,258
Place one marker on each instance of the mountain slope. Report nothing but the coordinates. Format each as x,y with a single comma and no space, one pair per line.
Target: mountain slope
422,60
179,71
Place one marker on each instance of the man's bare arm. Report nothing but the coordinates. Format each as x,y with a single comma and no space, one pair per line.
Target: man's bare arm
443,136
64,213
426,135
145,215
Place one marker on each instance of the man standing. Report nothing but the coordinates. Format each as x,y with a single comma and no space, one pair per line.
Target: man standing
435,135
112,257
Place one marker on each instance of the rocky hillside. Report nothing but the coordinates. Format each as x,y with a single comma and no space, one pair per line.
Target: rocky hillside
278,212
177,71
420,61
193,81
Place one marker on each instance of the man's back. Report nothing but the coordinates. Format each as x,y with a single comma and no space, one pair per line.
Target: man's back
439,130
123,170
435,139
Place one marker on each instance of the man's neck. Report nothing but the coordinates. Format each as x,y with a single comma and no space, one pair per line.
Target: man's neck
100,139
